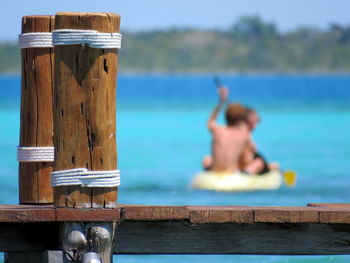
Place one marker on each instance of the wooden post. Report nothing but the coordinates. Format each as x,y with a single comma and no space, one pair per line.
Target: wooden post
85,110
85,129
36,127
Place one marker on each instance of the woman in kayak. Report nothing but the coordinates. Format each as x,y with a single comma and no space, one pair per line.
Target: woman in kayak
251,161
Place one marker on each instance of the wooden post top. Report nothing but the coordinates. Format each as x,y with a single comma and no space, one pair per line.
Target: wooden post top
102,22
37,23
67,14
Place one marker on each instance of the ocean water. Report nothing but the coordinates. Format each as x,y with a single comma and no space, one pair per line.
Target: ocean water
162,137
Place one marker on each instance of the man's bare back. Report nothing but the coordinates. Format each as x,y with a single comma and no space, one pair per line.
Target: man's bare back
228,142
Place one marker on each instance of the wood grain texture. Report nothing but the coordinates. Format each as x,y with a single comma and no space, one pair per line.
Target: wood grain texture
193,214
286,214
85,109
342,217
36,125
182,237
202,214
26,213
89,215
332,212
154,213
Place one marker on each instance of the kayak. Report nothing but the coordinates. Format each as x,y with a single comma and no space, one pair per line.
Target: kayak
234,182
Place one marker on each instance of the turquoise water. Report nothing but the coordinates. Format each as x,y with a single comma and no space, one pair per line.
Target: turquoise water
162,137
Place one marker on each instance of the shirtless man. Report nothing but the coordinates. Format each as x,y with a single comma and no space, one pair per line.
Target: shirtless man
251,161
228,142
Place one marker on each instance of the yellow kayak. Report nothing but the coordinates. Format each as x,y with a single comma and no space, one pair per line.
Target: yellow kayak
234,182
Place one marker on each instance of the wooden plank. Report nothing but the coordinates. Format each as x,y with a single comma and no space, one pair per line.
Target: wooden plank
194,214
219,214
184,237
27,214
152,213
85,110
334,217
286,215
311,214
332,212
36,125
181,237
88,215
23,207
20,213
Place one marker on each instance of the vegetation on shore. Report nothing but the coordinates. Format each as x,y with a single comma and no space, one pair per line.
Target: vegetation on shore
250,44
9,57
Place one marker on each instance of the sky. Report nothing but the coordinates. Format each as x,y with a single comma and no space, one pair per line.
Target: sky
160,14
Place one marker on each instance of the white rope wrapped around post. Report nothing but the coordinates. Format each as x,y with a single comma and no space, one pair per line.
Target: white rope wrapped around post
90,38
82,176
85,178
35,154
35,40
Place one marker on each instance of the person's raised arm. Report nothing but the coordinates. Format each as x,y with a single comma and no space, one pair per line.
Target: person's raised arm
223,95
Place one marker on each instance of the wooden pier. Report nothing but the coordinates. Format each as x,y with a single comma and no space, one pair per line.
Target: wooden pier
70,106
313,230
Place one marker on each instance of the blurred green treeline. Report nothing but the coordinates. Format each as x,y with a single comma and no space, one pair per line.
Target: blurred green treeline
250,44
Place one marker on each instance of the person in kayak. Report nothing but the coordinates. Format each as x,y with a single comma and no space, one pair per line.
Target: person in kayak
230,140
251,161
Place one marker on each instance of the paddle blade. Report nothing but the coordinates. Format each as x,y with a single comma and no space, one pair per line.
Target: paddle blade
217,81
290,178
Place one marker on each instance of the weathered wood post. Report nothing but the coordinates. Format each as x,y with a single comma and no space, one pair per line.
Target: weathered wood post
36,126
35,151
85,125
85,110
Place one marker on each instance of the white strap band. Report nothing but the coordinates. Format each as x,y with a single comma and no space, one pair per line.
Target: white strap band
35,154
85,178
91,38
35,40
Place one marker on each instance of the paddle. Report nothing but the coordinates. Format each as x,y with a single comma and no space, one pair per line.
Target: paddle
289,176
217,81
